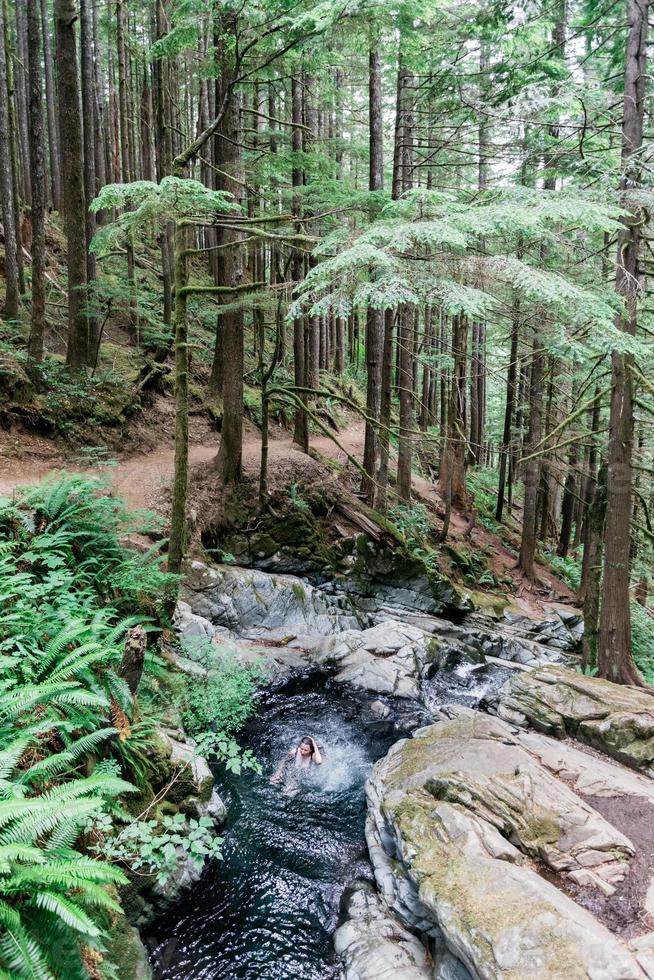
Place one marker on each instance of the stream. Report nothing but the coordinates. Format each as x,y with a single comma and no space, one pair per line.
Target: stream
267,911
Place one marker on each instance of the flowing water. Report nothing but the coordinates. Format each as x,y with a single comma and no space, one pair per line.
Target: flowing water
267,911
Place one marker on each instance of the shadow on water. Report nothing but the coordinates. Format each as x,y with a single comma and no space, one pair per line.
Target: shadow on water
268,909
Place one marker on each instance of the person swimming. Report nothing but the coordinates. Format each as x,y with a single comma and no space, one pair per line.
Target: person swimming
304,755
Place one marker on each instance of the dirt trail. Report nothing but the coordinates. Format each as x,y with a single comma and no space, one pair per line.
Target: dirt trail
140,478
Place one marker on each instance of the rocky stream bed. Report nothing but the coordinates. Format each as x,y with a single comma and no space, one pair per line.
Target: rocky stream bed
483,811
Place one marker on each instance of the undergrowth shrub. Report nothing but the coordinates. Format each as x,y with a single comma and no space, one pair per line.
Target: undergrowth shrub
482,485
217,705
412,523
568,569
70,736
642,641
71,399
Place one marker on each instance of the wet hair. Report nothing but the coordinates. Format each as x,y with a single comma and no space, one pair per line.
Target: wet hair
307,741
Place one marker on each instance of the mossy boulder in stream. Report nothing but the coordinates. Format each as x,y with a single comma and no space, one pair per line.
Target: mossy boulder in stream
179,782
125,948
459,816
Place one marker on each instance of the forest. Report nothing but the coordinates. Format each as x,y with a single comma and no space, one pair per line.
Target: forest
408,242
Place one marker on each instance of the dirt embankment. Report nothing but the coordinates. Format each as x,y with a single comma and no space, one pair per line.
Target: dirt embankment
143,478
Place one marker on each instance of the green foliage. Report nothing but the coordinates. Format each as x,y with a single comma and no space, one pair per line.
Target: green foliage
65,536
216,706
412,523
73,400
378,266
152,847
69,730
482,485
642,640
568,569
147,206
297,500
56,697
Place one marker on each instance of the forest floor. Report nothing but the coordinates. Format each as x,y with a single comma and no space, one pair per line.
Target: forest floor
142,479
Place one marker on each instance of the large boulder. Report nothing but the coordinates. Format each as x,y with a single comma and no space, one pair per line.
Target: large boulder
258,604
386,659
520,640
204,648
616,719
473,761
125,949
401,581
460,819
308,628
191,791
373,945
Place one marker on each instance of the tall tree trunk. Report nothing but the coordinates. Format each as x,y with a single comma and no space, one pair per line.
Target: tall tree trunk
593,558
89,134
589,489
14,143
163,162
475,369
177,540
101,136
614,656
401,134
312,323
508,410
123,103
385,411
70,126
405,443
56,186
12,289
452,471
374,317
568,505
230,267
20,82
126,148
532,467
301,422
402,181
37,322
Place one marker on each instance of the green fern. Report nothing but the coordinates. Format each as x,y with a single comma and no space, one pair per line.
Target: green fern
68,594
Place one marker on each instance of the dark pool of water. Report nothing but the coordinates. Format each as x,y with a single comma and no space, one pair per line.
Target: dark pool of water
267,911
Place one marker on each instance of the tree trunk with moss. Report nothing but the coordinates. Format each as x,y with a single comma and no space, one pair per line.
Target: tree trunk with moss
593,561
614,656
527,556
230,274
12,289
405,442
37,164
177,542
452,471
70,124
374,317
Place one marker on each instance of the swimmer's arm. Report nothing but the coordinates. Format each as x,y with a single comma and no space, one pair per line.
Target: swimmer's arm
278,775
317,758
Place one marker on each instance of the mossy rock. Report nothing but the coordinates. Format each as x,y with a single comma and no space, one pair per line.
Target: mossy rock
491,603
16,387
159,761
126,951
